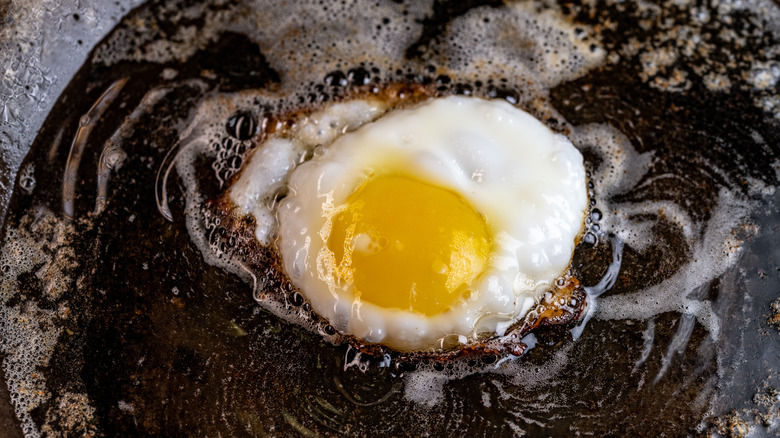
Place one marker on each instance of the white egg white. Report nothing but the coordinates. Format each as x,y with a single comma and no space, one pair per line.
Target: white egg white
528,183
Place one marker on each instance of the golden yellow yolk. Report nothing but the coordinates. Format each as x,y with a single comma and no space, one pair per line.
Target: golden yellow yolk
409,245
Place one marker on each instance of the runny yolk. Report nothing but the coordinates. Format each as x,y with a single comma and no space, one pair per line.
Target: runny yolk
410,245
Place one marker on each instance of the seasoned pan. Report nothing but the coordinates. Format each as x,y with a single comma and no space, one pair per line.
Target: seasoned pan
123,307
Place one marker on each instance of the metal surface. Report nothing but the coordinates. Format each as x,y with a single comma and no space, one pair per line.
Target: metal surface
114,322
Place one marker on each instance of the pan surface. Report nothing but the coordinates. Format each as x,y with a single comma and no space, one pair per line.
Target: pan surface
115,320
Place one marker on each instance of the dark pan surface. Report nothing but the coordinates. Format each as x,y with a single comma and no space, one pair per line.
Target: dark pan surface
113,323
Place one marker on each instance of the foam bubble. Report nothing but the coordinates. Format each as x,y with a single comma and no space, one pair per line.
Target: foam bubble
74,416
425,386
713,253
551,48
712,244
29,332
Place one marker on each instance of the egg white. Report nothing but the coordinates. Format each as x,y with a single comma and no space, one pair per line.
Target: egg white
528,182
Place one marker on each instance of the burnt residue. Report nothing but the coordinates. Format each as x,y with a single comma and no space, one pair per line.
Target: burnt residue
774,314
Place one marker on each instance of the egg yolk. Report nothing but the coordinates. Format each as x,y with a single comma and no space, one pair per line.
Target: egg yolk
407,244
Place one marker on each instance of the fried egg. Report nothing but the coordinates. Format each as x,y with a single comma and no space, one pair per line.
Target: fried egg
433,226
